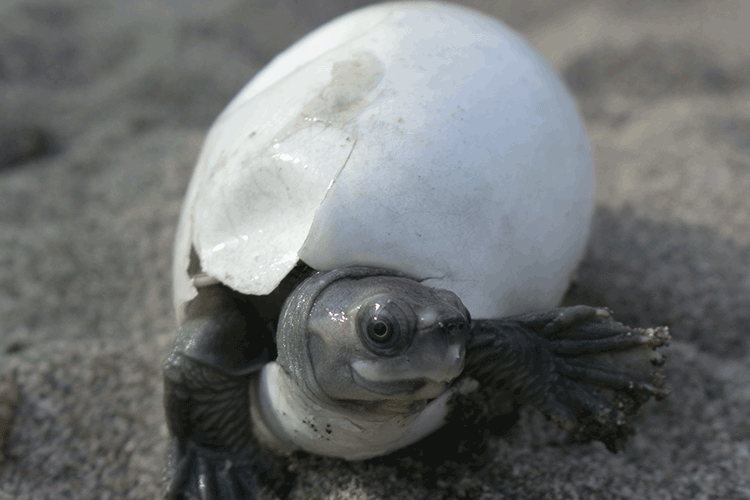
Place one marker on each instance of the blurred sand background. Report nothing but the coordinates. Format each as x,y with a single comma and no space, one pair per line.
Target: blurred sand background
103,107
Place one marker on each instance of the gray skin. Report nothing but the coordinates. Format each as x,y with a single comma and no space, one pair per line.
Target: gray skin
363,361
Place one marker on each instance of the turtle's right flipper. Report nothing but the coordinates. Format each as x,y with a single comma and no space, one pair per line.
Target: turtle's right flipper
577,365
201,473
213,452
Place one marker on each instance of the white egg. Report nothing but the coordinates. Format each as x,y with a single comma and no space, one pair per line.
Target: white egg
421,137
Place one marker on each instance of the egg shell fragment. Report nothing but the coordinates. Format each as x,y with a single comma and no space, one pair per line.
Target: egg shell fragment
422,137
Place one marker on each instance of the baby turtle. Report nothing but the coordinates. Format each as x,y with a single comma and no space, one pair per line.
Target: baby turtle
376,233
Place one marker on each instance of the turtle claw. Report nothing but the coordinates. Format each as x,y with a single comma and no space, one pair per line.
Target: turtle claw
213,453
205,474
595,407
608,379
586,372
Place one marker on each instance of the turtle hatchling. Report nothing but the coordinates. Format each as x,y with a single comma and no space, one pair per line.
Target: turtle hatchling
377,233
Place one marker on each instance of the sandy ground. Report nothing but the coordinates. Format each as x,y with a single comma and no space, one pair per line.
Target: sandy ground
103,107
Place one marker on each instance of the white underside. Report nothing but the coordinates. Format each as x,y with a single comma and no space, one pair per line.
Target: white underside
285,419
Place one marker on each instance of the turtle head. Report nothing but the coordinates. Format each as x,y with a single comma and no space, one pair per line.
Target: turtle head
368,335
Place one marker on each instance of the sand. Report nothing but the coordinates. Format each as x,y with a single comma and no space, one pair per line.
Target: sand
103,107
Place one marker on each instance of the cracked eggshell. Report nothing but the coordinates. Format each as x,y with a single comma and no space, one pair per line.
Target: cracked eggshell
422,137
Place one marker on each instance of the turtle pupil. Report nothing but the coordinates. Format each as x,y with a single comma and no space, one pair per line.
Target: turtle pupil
381,331
384,328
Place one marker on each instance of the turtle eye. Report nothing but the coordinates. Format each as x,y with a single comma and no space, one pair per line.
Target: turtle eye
384,328
380,330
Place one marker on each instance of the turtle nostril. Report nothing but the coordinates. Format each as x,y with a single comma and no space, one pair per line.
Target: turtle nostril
453,326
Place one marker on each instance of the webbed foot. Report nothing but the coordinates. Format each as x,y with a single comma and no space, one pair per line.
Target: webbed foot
200,473
578,366
213,451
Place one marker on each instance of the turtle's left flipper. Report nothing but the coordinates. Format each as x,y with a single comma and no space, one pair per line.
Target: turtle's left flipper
577,365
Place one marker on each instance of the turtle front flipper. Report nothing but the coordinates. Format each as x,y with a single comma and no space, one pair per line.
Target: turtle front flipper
212,451
577,365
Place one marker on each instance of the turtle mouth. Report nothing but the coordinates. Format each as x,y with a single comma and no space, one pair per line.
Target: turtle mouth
423,377
423,387
394,387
